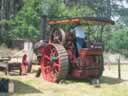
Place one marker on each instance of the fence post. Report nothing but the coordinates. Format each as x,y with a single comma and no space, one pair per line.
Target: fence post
119,68
109,65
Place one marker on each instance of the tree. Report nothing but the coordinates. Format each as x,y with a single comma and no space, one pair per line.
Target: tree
7,12
28,20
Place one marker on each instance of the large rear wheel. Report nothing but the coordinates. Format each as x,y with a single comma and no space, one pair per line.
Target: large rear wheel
54,63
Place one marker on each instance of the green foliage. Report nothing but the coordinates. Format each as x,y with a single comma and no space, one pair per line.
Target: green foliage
119,41
27,21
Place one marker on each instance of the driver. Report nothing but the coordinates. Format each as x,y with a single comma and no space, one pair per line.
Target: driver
80,37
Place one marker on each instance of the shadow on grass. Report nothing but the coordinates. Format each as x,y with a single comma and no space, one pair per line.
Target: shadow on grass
103,80
34,71
24,88
110,80
70,80
21,88
14,73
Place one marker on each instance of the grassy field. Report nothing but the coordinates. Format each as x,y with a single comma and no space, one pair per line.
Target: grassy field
31,86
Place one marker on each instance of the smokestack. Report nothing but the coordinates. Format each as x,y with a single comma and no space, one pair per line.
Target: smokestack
43,27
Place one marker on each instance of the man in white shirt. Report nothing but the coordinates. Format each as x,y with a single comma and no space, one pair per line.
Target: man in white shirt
80,37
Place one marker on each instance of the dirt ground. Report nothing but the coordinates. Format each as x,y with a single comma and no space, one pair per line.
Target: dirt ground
29,85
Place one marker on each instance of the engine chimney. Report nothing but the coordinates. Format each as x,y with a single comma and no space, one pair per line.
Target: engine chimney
43,27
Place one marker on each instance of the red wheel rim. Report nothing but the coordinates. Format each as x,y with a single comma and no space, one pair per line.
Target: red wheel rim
50,64
24,64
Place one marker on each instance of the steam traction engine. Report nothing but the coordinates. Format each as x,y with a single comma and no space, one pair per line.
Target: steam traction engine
60,57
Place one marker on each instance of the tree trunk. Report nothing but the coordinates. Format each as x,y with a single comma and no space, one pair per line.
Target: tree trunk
2,18
7,11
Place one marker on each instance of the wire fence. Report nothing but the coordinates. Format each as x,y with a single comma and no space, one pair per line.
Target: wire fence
116,70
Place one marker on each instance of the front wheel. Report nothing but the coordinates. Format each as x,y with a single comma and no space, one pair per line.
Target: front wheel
54,63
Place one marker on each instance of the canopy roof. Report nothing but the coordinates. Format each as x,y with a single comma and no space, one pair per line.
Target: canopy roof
83,20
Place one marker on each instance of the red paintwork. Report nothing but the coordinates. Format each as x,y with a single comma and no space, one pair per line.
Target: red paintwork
82,20
49,70
89,63
86,67
86,64
82,74
73,20
90,51
24,65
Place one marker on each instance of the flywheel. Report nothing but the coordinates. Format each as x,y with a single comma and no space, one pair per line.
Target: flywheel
57,35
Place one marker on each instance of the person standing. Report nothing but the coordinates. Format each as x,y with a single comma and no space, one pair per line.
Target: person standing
80,37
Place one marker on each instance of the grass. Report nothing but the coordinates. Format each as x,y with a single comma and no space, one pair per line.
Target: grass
31,86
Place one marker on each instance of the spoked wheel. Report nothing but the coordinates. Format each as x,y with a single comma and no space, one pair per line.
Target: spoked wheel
29,66
57,36
54,63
